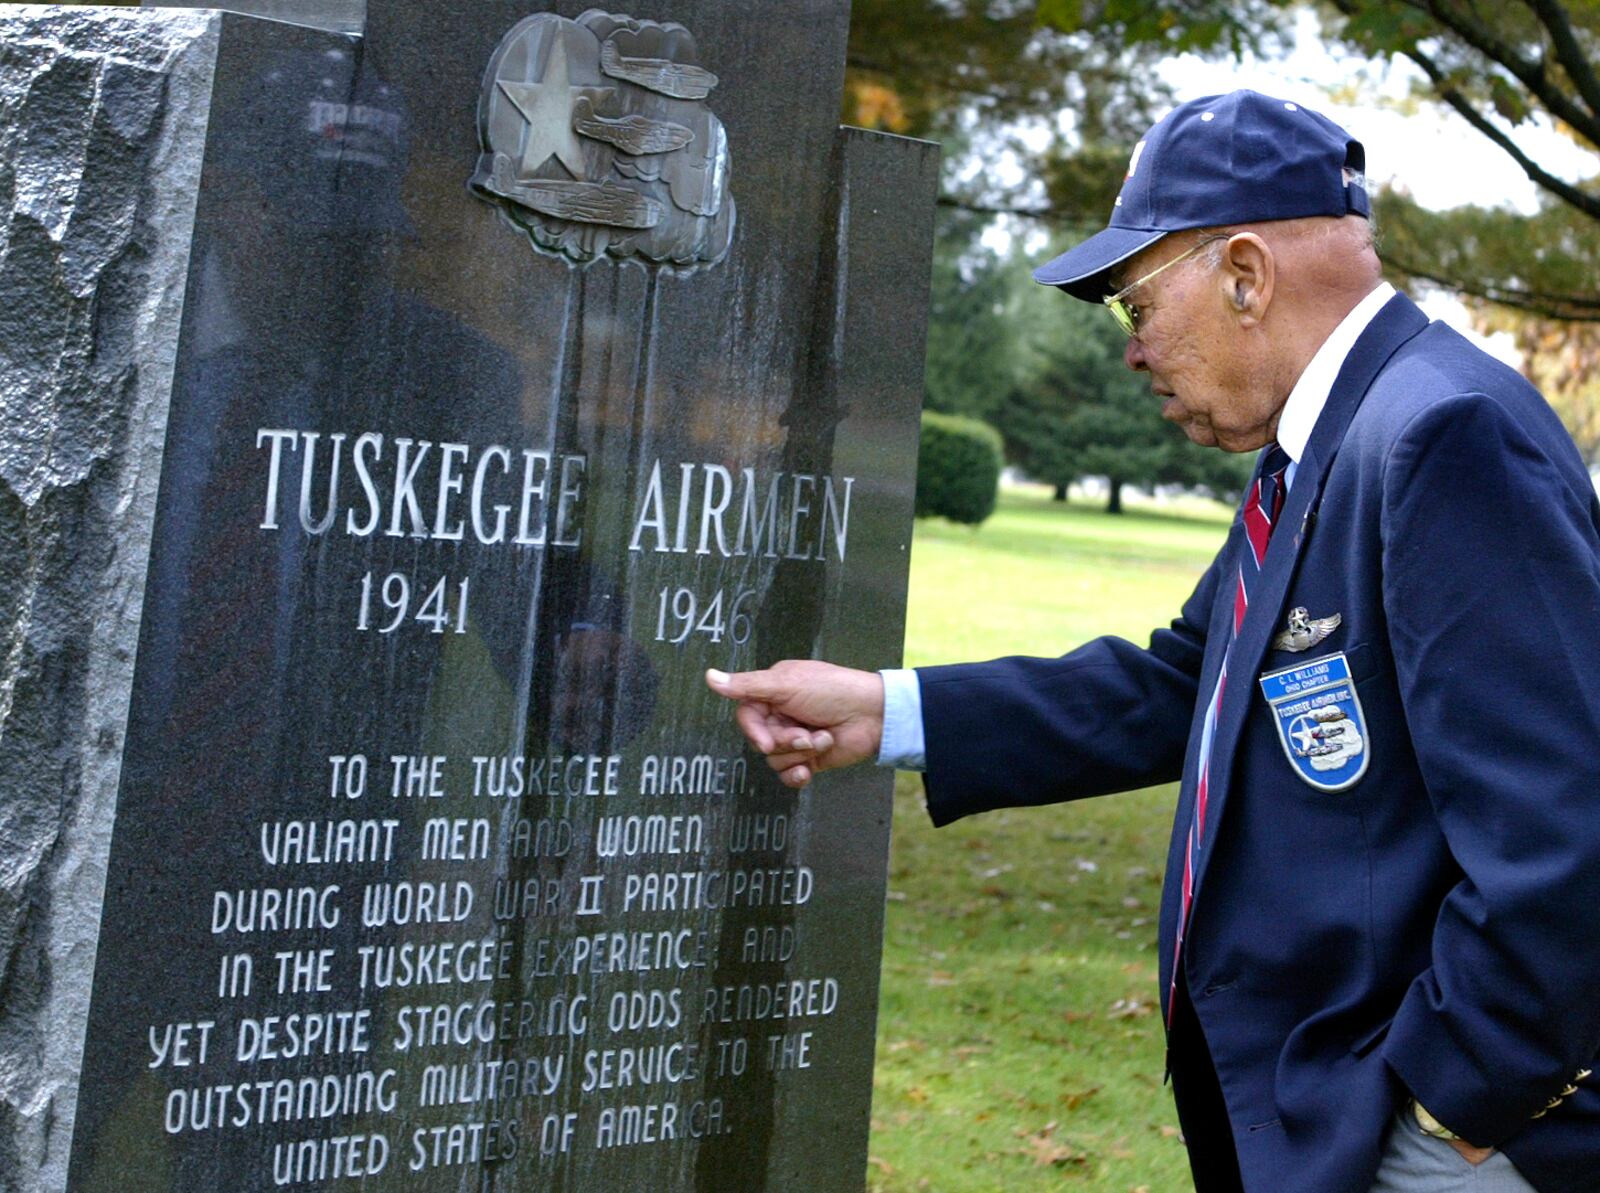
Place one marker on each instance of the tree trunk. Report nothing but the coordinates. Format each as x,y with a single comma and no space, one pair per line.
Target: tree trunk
1114,506
1060,494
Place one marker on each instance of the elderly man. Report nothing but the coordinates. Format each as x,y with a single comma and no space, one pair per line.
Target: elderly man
1378,942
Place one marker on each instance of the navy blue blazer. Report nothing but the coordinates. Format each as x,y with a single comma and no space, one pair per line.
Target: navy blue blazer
1433,927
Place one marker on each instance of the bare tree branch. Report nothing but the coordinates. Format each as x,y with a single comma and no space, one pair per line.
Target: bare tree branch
976,208
1568,52
1565,191
1567,308
1531,75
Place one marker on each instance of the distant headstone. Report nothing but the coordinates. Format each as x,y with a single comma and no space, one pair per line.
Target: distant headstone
401,405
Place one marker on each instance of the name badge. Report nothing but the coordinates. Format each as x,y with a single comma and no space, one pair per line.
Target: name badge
1320,723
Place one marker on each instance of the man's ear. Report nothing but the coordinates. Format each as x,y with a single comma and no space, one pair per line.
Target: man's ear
1247,275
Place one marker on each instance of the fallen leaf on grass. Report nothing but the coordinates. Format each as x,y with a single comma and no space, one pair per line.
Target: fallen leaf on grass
1046,1150
917,1094
888,1168
1170,1132
1024,1102
1130,1008
1075,1098
940,977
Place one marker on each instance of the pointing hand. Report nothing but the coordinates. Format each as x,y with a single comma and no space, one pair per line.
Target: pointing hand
806,716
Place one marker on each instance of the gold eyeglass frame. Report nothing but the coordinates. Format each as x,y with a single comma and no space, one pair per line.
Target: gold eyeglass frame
1127,313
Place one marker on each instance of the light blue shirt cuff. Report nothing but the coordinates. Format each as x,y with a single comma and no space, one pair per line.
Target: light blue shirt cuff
904,747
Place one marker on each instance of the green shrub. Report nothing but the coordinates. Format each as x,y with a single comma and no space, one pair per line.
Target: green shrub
958,468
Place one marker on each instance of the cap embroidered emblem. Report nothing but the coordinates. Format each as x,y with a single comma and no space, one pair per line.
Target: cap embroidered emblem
1133,162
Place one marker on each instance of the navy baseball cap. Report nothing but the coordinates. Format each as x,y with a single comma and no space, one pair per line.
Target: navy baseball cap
1240,158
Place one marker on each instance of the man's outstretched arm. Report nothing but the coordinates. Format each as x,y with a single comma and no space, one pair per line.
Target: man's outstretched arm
1107,717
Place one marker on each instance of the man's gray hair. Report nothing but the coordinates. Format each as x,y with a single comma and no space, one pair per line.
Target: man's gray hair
1324,227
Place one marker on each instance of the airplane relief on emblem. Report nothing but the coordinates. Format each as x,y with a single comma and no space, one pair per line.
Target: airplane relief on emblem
597,141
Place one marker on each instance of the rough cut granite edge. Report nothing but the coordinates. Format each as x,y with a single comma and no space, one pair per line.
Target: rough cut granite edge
93,265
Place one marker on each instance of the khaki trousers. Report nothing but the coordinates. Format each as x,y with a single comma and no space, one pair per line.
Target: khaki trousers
1418,1163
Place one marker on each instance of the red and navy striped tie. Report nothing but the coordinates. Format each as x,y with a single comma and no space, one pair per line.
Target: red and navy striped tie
1262,505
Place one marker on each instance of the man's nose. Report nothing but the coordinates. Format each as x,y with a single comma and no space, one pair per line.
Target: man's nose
1133,355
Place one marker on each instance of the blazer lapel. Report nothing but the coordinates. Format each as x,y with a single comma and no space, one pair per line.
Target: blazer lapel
1396,323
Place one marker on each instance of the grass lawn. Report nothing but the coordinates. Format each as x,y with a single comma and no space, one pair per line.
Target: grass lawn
1019,1044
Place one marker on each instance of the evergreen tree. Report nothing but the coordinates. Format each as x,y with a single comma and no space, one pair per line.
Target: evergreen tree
1077,411
973,342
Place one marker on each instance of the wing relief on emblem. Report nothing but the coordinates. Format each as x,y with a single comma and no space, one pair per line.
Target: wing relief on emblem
596,141
1304,631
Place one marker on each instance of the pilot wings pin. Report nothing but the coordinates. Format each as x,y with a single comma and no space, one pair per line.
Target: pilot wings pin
1305,631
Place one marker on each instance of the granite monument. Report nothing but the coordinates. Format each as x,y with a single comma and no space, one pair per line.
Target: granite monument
402,404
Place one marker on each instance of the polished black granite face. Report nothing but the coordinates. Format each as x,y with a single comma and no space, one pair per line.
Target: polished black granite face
435,864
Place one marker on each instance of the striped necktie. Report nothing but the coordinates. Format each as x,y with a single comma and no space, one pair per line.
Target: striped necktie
1262,505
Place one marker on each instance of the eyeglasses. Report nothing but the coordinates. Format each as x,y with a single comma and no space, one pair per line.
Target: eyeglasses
1127,313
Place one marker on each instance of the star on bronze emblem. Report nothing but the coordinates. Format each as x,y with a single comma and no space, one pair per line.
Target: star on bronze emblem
547,107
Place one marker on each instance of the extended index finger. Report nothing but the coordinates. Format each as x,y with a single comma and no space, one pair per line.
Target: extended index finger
743,685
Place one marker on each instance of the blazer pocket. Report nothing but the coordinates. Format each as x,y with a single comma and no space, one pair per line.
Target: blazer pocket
1362,658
